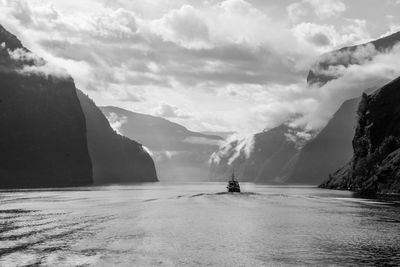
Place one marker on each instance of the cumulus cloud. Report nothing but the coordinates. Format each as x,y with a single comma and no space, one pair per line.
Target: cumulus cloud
321,8
228,65
327,37
168,111
184,26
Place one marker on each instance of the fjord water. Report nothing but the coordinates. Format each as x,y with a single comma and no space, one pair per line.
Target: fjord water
196,225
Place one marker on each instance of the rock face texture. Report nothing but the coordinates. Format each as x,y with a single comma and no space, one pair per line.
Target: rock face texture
375,166
115,158
42,126
321,72
266,157
330,149
179,154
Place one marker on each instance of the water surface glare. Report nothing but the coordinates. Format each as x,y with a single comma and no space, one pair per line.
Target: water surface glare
196,225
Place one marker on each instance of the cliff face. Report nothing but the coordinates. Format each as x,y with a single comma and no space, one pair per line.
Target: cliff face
321,74
330,149
42,126
376,158
179,154
115,158
267,157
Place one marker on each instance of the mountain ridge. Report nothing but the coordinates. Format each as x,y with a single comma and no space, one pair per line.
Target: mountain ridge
346,55
179,154
115,158
375,165
42,126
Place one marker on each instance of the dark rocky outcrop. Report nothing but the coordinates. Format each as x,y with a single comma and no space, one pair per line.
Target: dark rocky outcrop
330,149
115,158
357,54
179,154
266,157
42,126
375,166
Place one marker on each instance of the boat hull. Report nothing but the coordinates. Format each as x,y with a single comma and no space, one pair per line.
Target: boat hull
232,190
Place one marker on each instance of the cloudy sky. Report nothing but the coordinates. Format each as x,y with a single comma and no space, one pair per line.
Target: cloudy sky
213,65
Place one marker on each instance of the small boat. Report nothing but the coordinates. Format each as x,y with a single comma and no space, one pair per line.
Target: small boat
233,185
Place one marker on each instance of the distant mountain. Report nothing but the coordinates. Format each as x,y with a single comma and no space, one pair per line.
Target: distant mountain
375,166
42,126
266,157
224,135
330,149
357,54
179,154
115,158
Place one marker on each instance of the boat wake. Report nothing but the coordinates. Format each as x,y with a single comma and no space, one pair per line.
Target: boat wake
243,194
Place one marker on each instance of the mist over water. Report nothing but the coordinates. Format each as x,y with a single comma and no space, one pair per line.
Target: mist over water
196,225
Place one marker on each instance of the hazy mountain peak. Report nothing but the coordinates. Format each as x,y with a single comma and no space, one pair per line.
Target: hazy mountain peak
179,154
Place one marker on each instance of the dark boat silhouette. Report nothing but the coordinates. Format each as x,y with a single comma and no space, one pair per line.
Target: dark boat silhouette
233,185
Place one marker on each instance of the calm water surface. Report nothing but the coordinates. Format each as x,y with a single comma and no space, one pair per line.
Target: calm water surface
196,225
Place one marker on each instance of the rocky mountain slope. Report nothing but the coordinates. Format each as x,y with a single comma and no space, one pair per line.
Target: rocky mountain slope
357,54
375,166
179,154
266,157
42,126
115,158
330,149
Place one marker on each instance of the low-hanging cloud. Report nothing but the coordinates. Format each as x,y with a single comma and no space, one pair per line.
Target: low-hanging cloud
367,70
27,63
208,59
234,147
169,111
321,8
116,121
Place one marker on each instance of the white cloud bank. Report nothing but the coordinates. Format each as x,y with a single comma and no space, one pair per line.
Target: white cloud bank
214,65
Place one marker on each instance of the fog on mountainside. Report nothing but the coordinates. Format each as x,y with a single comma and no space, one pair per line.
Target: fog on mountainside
329,149
42,126
115,158
323,70
46,141
313,159
266,157
179,154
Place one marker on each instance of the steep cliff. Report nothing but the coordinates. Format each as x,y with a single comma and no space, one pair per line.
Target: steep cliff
321,71
375,165
330,149
42,126
179,154
266,157
115,158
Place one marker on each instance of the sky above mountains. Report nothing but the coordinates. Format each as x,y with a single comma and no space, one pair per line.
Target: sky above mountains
209,65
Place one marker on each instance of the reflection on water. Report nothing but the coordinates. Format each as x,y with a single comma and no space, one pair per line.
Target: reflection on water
196,225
